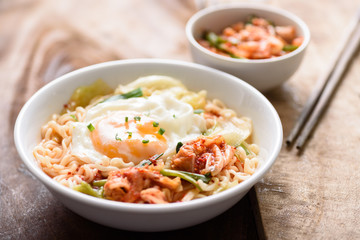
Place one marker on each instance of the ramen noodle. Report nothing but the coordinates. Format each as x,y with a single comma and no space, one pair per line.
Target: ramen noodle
150,141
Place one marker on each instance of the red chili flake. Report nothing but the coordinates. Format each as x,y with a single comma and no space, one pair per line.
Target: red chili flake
200,162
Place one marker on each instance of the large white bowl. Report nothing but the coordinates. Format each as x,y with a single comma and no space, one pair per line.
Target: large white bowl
263,74
237,94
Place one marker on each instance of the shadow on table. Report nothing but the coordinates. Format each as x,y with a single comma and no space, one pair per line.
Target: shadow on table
236,223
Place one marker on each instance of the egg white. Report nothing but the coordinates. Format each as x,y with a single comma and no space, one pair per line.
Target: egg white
176,117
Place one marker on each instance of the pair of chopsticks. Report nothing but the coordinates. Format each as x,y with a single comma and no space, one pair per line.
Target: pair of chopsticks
320,97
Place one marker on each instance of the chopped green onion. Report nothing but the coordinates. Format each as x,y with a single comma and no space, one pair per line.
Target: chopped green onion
161,131
145,141
178,146
148,161
132,94
126,119
117,137
217,42
245,147
155,124
74,117
214,39
158,156
137,118
174,116
91,127
84,187
144,162
130,134
205,178
99,183
289,48
198,111
187,176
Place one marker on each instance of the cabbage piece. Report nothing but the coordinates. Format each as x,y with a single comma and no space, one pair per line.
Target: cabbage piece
149,84
234,132
155,84
83,95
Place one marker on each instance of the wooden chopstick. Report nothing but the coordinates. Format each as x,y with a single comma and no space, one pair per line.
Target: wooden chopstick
330,88
320,97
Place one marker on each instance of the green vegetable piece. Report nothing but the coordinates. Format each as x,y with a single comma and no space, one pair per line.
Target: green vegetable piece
148,161
84,94
126,119
173,173
245,148
157,156
74,117
289,48
244,145
117,137
161,131
143,163
214,39
155,124
84,187
137,118
187,176
205,178
99,183
178,146
132,94
145,141
217,42
91,127
198,111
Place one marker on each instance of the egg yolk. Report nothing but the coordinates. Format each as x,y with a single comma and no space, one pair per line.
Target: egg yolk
130,136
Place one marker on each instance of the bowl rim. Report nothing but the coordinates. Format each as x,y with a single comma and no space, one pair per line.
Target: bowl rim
256,6
51,184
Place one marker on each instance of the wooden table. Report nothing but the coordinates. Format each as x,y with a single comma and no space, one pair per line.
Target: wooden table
313,195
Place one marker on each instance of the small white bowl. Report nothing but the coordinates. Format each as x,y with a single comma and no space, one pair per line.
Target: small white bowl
263,74
237,94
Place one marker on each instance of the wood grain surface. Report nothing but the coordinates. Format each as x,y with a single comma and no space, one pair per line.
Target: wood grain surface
312,195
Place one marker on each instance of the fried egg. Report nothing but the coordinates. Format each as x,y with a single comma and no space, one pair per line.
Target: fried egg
135,129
